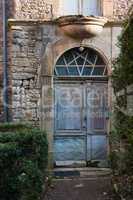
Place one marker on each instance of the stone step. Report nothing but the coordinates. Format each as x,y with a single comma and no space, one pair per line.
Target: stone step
81,172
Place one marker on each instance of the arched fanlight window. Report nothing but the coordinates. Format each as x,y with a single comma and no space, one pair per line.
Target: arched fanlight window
81,62
77,7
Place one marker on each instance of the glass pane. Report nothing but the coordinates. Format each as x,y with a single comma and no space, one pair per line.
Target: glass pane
69,149
91,58
68,108
68,8
60,61
90,7
98,71
80,61
62,71
72,63
76,63
69,57
100,61
99,147
80,68
87,71
73,71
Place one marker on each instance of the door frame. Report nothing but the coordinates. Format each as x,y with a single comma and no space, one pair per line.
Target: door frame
76,81
46,80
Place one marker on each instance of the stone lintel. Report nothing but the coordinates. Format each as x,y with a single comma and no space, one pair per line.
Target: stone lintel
20,22
25,22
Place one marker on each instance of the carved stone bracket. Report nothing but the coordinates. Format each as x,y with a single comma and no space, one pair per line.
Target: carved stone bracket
81,27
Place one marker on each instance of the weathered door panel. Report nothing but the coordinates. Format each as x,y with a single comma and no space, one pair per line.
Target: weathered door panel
80,122
96,147
70,139
70,148
68,108
97,108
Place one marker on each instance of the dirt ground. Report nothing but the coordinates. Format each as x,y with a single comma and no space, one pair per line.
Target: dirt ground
80,189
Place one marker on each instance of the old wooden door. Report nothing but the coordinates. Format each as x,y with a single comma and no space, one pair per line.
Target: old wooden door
97,122
80,123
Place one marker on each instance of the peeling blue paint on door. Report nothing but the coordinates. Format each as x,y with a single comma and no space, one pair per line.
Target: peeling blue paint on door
70,149
80,122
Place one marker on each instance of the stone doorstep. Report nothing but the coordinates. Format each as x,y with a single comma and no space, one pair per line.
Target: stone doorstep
81,172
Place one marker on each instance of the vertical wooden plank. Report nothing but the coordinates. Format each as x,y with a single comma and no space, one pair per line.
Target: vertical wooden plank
97,103
97,107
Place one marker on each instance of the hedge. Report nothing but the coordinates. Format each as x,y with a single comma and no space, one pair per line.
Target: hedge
122,133
123,65
23,162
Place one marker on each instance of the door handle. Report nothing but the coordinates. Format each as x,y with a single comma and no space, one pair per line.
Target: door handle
84,115
85,122
85,119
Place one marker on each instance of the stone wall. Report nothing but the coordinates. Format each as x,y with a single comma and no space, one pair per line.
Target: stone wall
27,46
33,9
29,43
42,9
121,8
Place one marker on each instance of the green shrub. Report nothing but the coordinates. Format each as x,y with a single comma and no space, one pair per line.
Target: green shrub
123,65
23,162
122,155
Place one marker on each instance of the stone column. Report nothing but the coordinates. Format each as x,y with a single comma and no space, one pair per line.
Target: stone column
47,114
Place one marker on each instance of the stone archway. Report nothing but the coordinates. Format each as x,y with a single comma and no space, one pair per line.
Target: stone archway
52,54
80,108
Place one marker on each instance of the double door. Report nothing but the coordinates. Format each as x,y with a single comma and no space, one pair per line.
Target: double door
80,124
